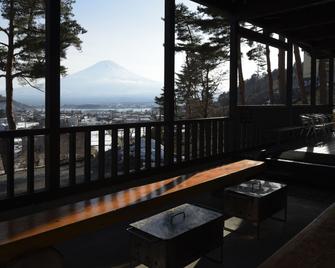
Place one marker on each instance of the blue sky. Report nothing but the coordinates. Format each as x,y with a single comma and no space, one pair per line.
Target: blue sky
129,32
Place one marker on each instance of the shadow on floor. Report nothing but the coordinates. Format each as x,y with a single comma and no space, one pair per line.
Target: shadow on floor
110,247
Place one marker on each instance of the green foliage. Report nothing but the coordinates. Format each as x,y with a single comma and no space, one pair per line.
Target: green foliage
257,54
203,37
26,19
22,53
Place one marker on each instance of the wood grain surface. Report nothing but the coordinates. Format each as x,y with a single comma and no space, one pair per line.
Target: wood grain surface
54,225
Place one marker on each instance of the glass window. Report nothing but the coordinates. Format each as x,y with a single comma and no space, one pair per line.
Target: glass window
301,87
322,81
261,74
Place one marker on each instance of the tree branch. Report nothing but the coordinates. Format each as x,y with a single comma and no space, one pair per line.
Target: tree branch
4,30
31,85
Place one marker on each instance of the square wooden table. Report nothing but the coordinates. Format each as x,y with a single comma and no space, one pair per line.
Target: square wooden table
256,200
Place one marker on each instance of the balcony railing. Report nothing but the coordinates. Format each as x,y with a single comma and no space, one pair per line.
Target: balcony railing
108,153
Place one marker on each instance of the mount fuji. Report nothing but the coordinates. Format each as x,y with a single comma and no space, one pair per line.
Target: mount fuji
103,83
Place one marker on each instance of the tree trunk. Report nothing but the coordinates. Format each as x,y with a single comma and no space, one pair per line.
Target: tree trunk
282,73
9,88
205,95
9,70
299,73
269,71
323,81
240,77
188,109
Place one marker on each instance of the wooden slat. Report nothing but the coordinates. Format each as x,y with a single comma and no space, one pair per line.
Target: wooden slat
208,130
87,156
202,139
137,149
10,167
54,225
179,142
221,136
114,165
194,140
187,142
148,147
158,142
30,163
101,154
72,158
215,137
126,151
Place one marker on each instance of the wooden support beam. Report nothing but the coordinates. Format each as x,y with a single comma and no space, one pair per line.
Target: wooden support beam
233,131
289,74
234,43
311,23
313,80
297,20
264,8
261,38
331,82
169,70
52,93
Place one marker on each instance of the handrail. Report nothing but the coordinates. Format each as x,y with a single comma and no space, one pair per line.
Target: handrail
107,152
44,131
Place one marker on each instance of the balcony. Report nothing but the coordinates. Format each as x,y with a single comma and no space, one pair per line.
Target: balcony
77,188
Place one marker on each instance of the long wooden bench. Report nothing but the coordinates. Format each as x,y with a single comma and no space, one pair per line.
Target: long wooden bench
46,228
314,246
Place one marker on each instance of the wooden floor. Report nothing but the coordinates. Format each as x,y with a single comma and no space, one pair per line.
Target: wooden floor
318,153
323,147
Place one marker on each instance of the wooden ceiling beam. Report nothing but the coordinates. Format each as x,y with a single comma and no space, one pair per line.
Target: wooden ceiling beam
263,8
310,17
314,33
305,25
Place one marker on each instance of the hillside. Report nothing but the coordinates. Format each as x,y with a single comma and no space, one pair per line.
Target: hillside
17,106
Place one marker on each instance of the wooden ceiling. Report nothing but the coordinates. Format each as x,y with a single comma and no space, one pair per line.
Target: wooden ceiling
309,23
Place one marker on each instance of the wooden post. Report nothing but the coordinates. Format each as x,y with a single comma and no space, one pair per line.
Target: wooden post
289,74
52,94
233,137
289,80
331,83
169,70
313,80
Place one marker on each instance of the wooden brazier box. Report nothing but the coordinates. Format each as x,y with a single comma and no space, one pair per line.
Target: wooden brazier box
176,237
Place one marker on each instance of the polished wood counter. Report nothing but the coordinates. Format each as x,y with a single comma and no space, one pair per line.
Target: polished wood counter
54,225
313,247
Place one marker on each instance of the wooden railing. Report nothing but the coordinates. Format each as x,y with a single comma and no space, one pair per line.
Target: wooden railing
106,153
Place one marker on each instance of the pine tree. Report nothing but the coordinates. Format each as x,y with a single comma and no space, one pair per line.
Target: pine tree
22,53
204,38
188,42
